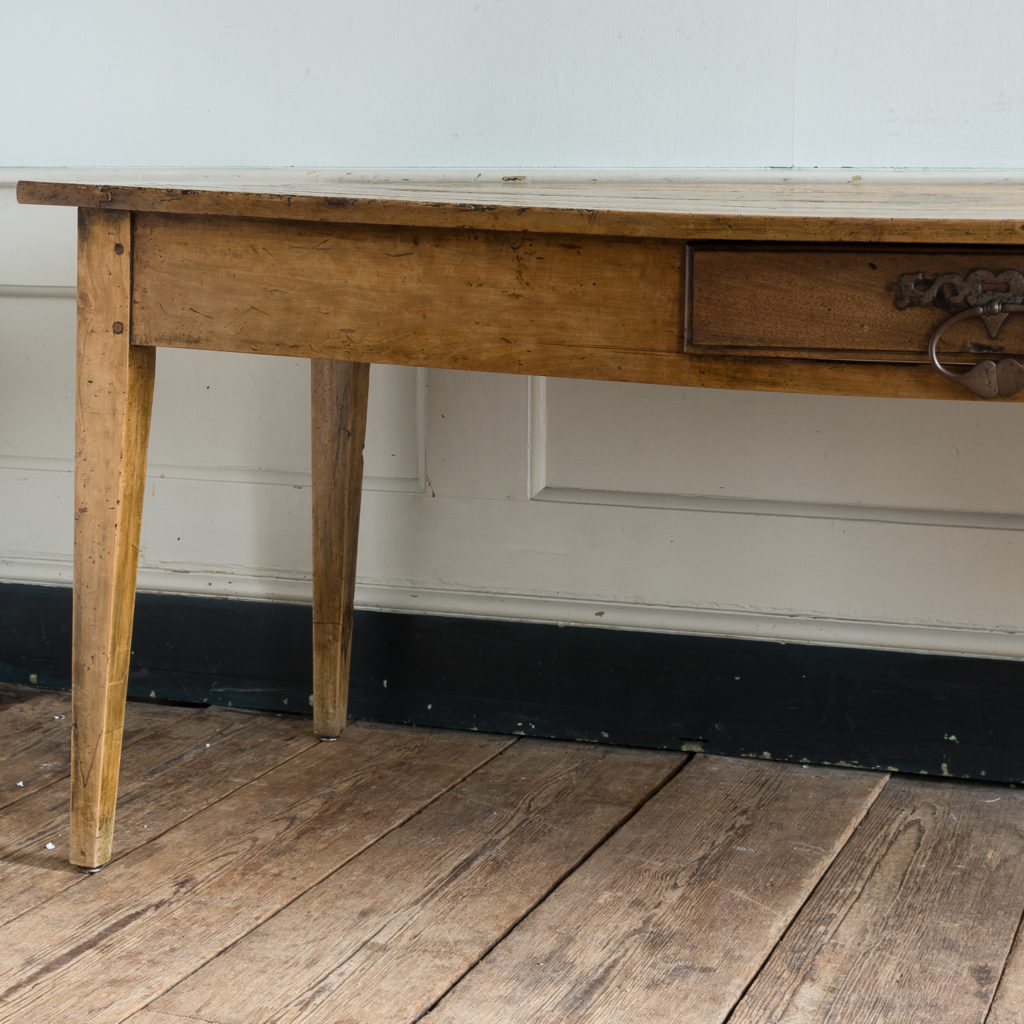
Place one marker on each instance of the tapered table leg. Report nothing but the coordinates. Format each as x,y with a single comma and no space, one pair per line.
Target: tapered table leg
339,396
114,391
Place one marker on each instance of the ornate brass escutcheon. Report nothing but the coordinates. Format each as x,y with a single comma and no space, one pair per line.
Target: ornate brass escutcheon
990,296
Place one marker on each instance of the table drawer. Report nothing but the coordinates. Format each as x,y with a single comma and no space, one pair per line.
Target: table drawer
841,303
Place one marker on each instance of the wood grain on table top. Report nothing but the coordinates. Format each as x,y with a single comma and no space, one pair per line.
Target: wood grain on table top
928,213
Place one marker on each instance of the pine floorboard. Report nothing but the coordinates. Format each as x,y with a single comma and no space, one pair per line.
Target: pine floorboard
405,875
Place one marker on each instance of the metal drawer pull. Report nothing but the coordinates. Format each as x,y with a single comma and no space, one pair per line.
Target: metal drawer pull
987,379
990,294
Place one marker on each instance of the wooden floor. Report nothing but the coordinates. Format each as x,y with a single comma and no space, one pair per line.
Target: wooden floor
459,878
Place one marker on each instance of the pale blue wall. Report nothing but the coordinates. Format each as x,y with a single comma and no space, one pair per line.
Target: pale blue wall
524,83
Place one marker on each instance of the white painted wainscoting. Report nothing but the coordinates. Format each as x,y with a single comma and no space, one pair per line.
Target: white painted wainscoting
831,520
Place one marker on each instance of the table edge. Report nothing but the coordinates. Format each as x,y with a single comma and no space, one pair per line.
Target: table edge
943,222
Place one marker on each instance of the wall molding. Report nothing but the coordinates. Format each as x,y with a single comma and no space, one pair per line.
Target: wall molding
540,490
36,463
787,509
233,475
188,580
537,437
37,291
707,622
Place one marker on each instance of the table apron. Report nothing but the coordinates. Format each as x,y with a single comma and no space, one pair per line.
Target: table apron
597,307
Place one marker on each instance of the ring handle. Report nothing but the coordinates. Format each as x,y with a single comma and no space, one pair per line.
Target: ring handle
986,379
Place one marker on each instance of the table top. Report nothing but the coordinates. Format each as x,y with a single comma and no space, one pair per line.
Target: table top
984,214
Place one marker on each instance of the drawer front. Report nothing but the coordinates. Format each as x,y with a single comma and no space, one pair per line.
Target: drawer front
839,303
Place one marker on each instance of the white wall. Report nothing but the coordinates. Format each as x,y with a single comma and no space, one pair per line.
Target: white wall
762,515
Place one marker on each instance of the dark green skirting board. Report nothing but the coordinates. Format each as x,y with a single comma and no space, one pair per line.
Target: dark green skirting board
962,717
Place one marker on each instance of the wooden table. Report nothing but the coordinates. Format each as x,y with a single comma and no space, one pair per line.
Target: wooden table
831,289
